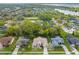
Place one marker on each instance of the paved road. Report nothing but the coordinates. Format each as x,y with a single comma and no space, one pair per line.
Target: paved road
74,49
45,52
16,50
65,49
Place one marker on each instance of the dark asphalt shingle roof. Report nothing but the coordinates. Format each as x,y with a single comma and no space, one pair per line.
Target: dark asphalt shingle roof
72,40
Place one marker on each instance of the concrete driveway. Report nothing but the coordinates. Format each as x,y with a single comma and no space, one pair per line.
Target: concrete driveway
45,52
74,49
65,49
16,50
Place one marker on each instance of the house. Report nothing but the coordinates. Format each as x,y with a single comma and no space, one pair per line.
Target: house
22,41
4,41
57,41
2,30
73,40
1,46
3,27
74,20
69,30
39,42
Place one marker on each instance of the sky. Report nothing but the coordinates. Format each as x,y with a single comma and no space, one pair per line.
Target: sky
64,4
39,1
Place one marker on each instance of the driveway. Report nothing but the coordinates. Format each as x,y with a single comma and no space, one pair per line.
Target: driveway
45,52
66,50
74,49
16,50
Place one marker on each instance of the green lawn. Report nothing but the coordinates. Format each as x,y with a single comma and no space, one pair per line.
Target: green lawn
77,48
31,18
67,44
56,50
2,33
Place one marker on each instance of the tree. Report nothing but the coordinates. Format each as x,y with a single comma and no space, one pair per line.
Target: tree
2,23
62,33
76,33
14,30
30,28
45,16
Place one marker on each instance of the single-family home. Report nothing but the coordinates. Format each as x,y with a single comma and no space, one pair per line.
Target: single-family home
73,40
22,41
74,20
39,42
4,41
57,41
2,30
3,27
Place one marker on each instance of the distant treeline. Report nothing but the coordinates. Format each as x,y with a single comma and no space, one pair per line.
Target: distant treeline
26,5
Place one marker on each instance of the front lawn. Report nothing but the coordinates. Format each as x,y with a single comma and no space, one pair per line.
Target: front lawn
31,18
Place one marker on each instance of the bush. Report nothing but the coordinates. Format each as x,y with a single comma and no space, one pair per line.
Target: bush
45,16
76,33
2,23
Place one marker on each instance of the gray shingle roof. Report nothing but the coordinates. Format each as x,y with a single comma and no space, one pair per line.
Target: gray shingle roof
57,41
